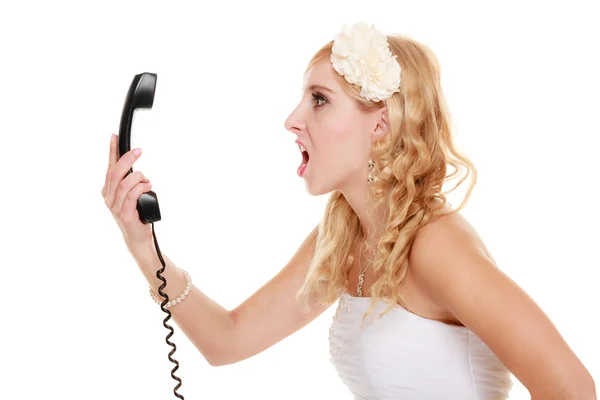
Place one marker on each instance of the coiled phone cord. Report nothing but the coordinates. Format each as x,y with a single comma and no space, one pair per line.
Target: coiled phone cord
166,310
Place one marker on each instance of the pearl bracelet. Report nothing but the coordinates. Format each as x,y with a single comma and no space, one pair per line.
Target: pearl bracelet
180,298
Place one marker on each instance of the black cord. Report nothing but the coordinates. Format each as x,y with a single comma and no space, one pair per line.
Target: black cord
166,310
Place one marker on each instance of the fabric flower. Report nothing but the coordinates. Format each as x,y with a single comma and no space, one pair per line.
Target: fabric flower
362,56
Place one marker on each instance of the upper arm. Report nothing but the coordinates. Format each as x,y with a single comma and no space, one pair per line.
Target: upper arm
451,263
271,313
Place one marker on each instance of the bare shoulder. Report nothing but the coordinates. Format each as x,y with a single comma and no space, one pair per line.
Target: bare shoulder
450,263
452,227
447,254
440,249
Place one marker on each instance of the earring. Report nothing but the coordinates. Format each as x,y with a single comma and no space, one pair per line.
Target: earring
371,178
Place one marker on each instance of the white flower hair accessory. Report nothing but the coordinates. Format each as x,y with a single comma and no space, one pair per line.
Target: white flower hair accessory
361,54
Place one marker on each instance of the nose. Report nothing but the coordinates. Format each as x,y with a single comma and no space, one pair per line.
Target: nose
294,122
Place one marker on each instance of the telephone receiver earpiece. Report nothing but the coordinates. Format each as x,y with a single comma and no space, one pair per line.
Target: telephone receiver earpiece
140,95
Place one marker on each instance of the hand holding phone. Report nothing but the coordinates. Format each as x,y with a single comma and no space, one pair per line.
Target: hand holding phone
122,191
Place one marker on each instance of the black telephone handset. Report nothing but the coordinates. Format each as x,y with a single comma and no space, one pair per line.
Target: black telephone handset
141,95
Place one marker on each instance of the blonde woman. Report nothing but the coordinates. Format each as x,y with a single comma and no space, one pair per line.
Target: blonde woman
423,312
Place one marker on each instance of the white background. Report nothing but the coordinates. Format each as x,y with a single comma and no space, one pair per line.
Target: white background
522,84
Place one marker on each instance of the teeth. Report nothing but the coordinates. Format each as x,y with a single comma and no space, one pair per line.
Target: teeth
302,148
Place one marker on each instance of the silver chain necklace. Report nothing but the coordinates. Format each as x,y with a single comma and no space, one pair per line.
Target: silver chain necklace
361,277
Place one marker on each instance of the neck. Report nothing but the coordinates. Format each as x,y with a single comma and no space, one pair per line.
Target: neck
371,219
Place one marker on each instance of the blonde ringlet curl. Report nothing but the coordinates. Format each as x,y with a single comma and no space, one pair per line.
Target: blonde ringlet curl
411,166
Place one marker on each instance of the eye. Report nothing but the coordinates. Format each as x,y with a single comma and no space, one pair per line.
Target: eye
318,99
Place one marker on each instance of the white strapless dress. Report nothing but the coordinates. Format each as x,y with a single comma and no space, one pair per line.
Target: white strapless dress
404,356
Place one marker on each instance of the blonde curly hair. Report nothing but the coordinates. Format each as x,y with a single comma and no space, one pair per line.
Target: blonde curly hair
411,166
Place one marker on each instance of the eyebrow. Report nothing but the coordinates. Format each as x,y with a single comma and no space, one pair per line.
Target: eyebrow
321,87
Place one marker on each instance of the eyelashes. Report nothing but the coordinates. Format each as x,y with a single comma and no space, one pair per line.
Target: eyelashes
318,99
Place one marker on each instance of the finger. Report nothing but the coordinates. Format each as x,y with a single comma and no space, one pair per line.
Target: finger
128,212
125,187
118,172
112,160
113,155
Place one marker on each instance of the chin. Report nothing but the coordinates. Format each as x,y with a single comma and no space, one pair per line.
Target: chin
320,187
316,191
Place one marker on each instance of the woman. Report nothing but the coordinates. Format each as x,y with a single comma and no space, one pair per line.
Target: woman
423,312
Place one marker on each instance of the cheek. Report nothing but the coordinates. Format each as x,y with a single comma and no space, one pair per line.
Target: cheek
340,142
339,127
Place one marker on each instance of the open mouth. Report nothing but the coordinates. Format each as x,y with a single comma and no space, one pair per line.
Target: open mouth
305,158
305,155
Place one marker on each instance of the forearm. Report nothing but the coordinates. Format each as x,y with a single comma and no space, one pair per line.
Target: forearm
206,324
582,389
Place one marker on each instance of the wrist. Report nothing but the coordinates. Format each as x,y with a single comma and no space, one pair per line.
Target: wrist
158,299
144,252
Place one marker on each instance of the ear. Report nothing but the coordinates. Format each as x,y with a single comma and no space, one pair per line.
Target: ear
382,123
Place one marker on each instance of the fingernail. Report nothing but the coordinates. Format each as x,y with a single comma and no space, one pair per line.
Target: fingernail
137,151
112,138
